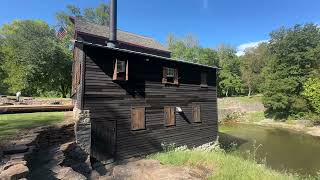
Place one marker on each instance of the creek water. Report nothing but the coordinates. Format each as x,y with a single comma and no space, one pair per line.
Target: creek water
279,149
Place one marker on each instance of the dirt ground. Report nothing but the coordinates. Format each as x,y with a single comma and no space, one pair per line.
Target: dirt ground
53,154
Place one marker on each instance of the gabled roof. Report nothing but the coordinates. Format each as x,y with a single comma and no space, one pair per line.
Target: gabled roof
82,25
144,54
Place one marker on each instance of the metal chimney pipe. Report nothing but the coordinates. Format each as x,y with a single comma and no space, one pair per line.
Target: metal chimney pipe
113,24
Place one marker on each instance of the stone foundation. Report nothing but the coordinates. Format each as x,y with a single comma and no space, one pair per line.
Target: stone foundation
83,130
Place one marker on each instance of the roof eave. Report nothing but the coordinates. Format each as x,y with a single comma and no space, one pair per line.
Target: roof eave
144,54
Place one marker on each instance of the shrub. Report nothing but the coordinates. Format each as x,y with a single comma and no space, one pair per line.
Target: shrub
233,116
312,93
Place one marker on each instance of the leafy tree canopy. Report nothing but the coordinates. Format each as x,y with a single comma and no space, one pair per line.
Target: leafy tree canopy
230,82
188,49
34,60
98,15
291,62
252,64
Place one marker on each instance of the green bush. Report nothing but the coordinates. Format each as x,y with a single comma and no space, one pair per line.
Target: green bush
312,92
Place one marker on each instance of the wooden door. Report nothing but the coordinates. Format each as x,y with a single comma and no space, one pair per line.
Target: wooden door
103,140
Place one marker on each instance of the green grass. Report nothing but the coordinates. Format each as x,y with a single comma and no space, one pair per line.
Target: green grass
254,116
225,166
224,129
11,124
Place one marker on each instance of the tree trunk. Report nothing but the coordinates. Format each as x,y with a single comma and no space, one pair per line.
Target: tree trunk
249,93
227,93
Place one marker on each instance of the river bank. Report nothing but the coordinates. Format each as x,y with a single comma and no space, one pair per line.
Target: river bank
282,149
313,131
250,110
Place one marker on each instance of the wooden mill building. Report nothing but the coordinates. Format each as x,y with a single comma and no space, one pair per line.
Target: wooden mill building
133,97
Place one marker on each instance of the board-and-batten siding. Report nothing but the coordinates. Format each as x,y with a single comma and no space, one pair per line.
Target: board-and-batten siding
110,104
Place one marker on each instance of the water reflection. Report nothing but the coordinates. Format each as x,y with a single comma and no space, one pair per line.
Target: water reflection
282,149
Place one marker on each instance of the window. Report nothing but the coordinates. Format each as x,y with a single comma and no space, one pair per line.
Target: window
138,118
121,66
169,116
196,113
170,72
170,76
120,71
204,79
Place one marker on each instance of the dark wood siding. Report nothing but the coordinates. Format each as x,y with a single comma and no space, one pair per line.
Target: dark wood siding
78,68
111,101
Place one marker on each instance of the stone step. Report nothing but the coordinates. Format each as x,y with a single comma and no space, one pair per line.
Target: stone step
15,149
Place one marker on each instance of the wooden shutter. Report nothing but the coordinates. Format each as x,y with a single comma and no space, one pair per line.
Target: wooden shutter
176,77
164,75
138,118
169,116
115,70
79,73
127,71
196,113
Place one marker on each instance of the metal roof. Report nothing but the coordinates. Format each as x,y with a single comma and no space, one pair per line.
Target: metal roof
144,54
82,25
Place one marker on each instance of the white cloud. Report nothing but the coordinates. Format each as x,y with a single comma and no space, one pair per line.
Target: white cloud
205,4
242,47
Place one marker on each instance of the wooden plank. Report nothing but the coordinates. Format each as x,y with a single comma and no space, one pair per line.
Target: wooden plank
34,108
115,70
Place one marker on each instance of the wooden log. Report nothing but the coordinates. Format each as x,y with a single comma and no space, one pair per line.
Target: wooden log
34,108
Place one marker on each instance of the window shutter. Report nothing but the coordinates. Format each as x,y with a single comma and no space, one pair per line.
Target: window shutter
196,113
138,118
127,71
79,73
176,77
115,70
164,75
169,116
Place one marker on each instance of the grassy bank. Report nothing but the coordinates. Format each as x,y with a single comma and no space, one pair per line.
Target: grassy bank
11,124
221,164
227,102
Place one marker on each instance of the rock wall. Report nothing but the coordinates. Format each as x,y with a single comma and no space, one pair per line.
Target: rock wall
83,130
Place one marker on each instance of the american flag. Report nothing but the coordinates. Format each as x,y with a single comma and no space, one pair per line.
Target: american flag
62,32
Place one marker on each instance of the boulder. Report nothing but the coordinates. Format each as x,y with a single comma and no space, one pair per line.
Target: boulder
15,149
17,171
12,163
66,173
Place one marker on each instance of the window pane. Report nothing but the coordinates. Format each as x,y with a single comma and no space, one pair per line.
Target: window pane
170,72
121,66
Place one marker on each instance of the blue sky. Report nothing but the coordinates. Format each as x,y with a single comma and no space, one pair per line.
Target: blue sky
239,23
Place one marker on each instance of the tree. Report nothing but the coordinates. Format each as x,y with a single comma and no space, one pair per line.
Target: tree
252,64
188,49
98,15
312,93
290,65
34,60
229,79
3,85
